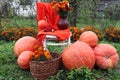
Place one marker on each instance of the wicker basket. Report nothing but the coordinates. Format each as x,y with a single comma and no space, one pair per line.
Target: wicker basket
43,69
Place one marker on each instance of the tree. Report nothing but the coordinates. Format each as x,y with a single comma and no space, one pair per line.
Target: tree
74,14
4,10
0,15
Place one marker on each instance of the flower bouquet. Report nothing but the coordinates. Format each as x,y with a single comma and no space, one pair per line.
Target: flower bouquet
44,64
62,8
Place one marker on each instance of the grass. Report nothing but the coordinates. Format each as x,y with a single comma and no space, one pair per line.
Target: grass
99,23
9,69
18,22
27,22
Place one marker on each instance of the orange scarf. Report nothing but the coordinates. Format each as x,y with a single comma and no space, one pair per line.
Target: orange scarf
44,10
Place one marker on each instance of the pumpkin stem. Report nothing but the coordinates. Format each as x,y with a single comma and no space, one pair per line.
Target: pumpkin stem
107,56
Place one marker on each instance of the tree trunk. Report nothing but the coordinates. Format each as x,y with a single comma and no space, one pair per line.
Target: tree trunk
0,26
74,13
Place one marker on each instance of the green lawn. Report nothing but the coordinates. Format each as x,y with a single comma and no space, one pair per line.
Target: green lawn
27,22
99,23
18,22
9,70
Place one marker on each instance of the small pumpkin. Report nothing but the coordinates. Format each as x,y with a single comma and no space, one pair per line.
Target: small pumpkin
24,59
89,37
25,43
106,56
77,55
43,25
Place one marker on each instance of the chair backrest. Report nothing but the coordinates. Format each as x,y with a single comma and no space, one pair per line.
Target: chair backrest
45,12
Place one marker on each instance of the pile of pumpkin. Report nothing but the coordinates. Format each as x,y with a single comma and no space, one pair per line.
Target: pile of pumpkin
84,52
87,52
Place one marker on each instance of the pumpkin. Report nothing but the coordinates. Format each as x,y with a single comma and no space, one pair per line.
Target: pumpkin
77,55
89,37
106,56
43,25
24,59
25,43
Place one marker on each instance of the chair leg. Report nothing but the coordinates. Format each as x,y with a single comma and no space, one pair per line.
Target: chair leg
44,43
63,46
69,41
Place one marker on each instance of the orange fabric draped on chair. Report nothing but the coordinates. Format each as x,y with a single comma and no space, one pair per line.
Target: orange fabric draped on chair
45,12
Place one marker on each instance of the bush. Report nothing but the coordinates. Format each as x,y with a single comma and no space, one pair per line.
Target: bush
11,34
76,32
113,34
94,29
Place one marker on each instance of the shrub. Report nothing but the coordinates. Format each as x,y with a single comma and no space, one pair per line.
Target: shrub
113,34
14,34
94,29
76,32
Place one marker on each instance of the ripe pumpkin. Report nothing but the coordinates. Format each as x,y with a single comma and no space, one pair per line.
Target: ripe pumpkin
25,43
24,59
78,54
106,56
43,25
89,37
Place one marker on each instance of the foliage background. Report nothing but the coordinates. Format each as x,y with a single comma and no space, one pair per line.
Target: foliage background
102,13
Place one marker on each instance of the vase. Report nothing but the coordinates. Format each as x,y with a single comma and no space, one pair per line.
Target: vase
44,69
63,23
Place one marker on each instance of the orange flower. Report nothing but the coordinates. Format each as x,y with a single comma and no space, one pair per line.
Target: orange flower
36,56
2,32
47,54
39,51
61,7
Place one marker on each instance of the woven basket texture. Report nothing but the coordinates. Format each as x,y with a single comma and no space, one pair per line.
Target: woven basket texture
44,69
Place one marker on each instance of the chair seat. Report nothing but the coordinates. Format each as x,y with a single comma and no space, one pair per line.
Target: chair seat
52,37
57,44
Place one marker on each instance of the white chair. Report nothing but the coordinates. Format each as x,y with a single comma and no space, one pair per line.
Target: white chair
50,39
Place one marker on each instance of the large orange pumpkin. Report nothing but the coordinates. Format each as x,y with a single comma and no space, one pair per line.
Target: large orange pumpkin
89,37
24,59
78,54
25,43
106,56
